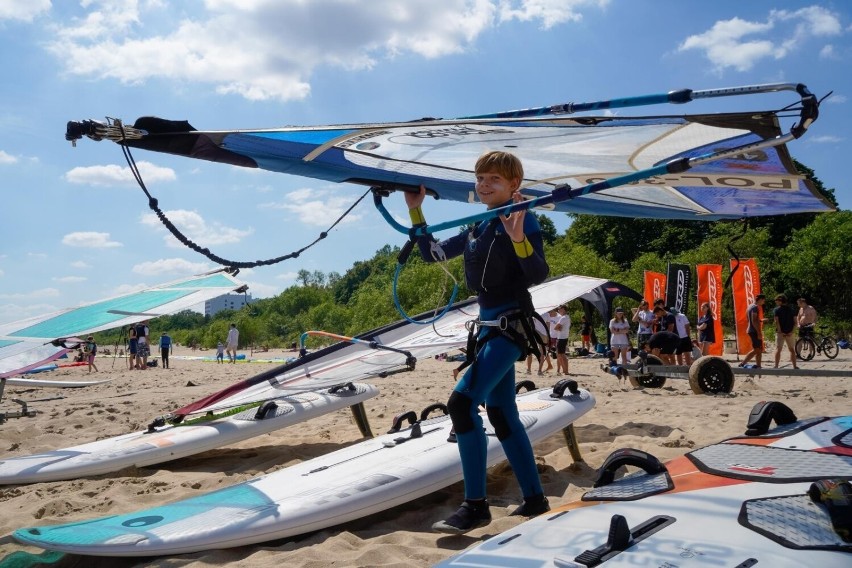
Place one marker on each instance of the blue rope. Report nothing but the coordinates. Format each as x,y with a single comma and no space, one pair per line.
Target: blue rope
402,312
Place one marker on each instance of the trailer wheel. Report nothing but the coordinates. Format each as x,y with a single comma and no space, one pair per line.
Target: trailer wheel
648,381
711,375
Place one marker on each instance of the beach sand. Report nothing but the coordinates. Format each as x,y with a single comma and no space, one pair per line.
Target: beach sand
666,422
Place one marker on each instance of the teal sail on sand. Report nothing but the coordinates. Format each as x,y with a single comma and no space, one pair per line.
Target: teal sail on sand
28,343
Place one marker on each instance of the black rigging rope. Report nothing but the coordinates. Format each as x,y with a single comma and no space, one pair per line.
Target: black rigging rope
154,206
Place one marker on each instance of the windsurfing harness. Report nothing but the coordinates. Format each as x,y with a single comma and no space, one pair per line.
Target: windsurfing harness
501,272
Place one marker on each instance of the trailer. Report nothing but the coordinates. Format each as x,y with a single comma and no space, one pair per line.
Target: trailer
711,374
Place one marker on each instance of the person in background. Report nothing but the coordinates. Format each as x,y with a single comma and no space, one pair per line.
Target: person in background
144,348
684,331
132,348
645,318
165,348
90,348
663,344
563,332
220,352
755,331
806,319
706,329
619,341
785,324
542,331
586,333
232,343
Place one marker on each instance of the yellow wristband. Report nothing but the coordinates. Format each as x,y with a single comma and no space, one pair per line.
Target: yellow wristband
417,217
524,248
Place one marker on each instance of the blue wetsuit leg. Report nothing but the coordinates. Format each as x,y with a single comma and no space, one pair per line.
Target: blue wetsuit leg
491,379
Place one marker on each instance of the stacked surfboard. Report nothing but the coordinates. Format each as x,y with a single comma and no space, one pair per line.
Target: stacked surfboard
365,478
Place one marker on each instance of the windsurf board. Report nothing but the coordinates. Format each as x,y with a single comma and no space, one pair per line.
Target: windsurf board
168,442
356,481
739,503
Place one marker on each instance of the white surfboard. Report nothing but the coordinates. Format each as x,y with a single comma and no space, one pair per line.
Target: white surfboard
739,503
45,383
167,442
362,479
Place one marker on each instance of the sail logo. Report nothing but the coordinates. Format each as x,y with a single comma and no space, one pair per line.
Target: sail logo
680,290
748,280
459,130
711,290
657,291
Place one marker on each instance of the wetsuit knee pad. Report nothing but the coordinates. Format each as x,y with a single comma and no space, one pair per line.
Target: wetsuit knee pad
498,421
459,407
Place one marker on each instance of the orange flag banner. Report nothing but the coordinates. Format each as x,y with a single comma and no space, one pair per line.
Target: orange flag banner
655,287
746,285
710,290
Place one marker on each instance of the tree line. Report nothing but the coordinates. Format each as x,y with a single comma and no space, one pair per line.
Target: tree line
801,255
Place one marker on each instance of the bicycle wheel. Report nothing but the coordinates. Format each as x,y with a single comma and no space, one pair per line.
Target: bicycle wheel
829,347
805,348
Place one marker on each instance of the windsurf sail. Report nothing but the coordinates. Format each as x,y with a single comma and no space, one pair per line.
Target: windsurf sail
703,166
390,349
29,343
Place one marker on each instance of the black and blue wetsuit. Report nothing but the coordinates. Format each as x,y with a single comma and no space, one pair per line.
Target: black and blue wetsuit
500,271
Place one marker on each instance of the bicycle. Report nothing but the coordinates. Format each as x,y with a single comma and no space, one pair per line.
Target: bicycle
807,346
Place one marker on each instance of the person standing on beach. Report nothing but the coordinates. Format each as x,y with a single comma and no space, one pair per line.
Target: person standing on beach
232,343
90,348
144,348
755,332
785,325
132,348
645,318
503,257
806,318
563,332
706,329
220,352
165,348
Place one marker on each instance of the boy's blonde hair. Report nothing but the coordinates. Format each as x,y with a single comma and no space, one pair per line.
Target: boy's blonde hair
506,164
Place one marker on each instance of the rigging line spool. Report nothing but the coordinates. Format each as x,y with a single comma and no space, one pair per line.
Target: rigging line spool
154,206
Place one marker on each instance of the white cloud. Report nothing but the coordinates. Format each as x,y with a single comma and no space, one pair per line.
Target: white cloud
89,239
170,266
14,312
38,294
80,264
317,207
836,99
114,175
23,10
69,279
268,49
549,12
7,158
741,44
288,276
193,225
825,139
827,52
259,290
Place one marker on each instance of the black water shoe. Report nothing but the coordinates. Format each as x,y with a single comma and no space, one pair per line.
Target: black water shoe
532,506
471,515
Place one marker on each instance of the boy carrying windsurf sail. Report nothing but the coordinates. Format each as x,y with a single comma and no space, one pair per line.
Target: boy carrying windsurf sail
503,257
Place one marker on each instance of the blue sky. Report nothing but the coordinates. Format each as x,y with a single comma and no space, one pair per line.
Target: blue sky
76,228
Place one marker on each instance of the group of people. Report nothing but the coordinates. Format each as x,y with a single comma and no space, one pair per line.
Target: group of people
557,330
230,346
786,319
139,346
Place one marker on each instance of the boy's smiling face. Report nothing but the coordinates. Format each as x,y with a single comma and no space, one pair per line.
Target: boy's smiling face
493,189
